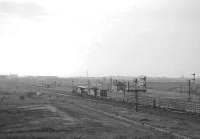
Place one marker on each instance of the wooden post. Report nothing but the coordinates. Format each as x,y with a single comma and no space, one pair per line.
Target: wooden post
145,82
189,91
111,85
73,86
95,92
124,90
136,95
136,100
128,85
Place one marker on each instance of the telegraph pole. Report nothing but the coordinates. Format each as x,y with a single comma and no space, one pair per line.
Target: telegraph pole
128,86
111,84
124,90
88,82
189,85
73,90
136,95
189,92
194,75
145,82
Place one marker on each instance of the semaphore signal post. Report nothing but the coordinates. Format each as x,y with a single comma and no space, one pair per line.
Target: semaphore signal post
140,85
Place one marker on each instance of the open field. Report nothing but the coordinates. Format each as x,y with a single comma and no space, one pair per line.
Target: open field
52,116
50,113
177,90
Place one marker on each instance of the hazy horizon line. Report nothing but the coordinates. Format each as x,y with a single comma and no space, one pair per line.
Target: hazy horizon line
97,76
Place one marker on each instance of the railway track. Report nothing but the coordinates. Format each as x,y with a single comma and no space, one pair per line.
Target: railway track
121,118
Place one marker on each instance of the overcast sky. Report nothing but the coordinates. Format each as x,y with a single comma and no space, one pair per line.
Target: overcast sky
105,37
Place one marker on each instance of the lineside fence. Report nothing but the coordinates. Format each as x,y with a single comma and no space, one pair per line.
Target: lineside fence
166,103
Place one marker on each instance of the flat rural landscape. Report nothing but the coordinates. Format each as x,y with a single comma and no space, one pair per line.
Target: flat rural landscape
99,69
29,110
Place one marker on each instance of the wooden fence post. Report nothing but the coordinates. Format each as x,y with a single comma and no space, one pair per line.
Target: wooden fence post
136,100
